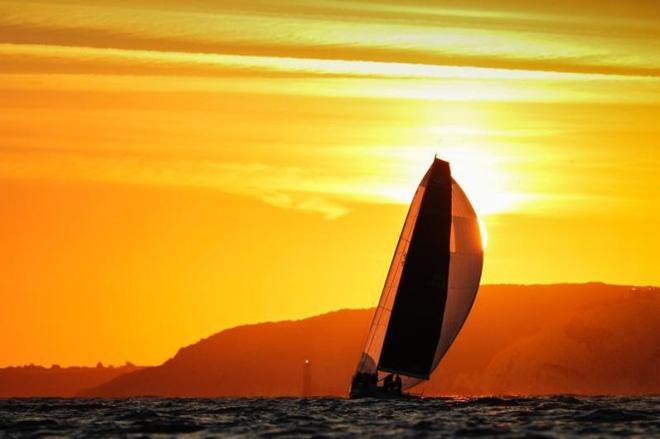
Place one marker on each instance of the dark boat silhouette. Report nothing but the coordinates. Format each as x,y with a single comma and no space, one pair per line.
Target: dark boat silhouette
429,290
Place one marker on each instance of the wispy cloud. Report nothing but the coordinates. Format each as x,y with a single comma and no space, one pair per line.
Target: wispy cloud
359,49
305,190
369,31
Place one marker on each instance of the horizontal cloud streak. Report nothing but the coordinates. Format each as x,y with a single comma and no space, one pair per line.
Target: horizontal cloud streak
451,90
194,63
268,74
351,35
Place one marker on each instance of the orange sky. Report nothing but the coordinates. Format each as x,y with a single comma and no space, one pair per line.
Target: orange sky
169,169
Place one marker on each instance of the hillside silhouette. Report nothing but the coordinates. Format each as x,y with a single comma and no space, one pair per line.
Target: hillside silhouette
579,339
37,381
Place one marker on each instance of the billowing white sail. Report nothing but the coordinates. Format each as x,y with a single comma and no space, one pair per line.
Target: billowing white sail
465,266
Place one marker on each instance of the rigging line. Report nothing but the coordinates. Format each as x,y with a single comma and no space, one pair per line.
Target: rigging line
387,290
389,286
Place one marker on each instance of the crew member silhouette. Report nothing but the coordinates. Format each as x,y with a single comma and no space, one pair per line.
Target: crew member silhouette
388,382
398,385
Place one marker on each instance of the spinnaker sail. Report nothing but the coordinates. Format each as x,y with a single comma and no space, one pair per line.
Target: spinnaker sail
431,284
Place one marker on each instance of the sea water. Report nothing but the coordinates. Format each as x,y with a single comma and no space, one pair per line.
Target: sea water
553,416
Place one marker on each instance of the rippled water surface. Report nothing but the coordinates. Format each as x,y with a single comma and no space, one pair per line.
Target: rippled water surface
513,417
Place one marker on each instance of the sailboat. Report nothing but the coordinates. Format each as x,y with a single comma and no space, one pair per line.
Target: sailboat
430,287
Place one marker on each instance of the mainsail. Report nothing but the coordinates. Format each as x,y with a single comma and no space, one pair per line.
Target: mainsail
431,284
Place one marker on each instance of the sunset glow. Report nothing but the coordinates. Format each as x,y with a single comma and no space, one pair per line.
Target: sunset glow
169,169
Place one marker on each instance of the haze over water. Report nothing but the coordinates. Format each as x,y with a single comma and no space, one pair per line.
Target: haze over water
173,168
